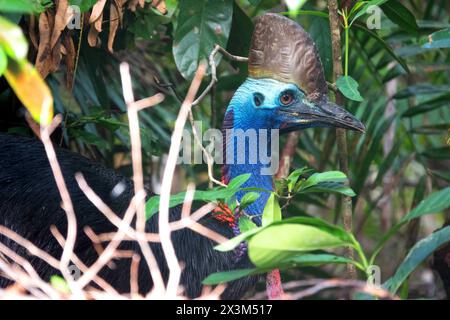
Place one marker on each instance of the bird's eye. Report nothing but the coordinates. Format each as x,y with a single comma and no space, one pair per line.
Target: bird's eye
286,98
258,99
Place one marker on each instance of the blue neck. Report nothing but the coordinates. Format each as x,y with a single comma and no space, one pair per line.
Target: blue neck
239,116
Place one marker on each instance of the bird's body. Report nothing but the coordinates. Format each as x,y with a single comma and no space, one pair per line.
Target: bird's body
30,203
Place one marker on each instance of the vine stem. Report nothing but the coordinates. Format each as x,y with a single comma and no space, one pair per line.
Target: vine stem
340,133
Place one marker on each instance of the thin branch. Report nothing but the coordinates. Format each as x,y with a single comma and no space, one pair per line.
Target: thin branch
212,65
166,185
340,133
46,131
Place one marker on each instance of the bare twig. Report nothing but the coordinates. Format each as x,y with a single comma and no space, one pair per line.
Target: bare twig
46,131
212,65
164,228
138,177
111,216
80,265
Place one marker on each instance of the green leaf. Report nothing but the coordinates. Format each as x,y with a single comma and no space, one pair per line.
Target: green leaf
416,256
330,186
293,177
438,40
297,261
22,6
320,32
234,242
436,202
221,193
238,181
59,284
200,25
316,178
245,224
272,210
313,259
227,276
278,242
385,45
3,61
360,9
84,5
441,153
349,88
248,199
421,89
401,16
441,101
270,245
254,3
12,40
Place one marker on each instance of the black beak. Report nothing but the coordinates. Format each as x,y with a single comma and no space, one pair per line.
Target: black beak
306,114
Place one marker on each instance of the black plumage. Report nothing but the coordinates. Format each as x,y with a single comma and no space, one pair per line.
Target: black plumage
30,203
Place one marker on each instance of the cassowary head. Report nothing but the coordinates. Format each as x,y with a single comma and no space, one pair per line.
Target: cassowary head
286,87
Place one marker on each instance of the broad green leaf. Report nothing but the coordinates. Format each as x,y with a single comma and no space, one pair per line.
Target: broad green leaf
418,253
438,40
22,6
401,16
349,88
3,61
330,186
281,241
200,25
436,202
272,210
245,224
248,199
31,90
316,178
238,181
12,40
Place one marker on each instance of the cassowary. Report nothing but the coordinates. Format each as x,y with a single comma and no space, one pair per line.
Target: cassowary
286,90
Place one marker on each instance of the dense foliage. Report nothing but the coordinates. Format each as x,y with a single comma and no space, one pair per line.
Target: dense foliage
396,80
